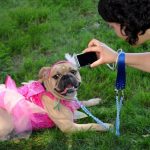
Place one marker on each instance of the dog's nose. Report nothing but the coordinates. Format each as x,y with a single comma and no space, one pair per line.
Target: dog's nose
66,76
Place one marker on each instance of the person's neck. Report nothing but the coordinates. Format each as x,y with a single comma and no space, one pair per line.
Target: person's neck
145,37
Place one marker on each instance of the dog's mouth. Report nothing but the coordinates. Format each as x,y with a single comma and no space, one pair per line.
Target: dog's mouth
67,85
68,90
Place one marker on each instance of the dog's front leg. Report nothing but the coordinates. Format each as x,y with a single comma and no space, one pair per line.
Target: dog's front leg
91,102
90,127
63,118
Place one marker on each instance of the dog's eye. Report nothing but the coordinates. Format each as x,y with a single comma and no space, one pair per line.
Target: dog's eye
56,76
73,72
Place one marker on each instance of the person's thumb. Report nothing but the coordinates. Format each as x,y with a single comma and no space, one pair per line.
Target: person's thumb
96,63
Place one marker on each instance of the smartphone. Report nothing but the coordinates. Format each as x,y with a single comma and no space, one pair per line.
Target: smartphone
85,59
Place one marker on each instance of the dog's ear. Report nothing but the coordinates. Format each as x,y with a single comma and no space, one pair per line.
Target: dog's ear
44,73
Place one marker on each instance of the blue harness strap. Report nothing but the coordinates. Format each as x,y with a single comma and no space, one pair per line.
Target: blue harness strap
119,87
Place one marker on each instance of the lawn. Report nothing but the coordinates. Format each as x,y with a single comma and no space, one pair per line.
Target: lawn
36,33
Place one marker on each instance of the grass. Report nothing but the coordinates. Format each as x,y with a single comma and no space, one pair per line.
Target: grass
36,33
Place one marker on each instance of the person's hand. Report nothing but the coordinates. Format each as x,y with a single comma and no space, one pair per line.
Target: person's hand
104,53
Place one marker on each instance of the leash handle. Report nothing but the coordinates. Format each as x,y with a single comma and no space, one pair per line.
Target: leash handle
121,74
119,87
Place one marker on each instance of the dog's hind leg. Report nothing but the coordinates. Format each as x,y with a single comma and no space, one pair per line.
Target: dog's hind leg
91,102
6,125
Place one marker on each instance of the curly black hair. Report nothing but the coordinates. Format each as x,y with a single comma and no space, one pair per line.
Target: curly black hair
132,15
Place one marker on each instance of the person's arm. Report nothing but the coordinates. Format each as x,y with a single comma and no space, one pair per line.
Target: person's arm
140,61
107,55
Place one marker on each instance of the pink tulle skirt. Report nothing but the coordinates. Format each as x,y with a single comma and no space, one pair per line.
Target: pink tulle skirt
25,106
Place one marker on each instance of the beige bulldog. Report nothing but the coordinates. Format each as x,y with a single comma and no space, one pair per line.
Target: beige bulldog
62,80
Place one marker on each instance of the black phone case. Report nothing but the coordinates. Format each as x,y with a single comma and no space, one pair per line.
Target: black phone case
85,59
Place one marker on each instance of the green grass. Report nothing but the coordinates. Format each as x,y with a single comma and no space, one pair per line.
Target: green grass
36,33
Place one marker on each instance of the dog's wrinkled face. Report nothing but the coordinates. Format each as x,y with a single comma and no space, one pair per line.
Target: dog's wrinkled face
62,79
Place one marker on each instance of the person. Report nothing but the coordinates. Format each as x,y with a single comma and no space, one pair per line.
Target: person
130,20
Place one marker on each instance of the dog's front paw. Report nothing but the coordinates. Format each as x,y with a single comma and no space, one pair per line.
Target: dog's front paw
94,101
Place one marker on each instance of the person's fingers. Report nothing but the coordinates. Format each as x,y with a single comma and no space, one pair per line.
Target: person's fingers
92,49
96,63
93,42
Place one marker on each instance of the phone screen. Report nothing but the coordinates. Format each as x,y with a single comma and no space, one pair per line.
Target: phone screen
86,58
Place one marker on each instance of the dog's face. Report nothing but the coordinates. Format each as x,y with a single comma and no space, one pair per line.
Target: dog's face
62,79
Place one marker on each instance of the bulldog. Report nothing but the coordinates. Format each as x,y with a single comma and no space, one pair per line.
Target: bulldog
45,103
63,80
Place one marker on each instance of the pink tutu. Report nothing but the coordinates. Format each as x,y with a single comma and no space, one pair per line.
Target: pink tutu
25,105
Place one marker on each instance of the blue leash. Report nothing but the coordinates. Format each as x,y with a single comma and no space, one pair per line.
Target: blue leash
119,87
91,115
